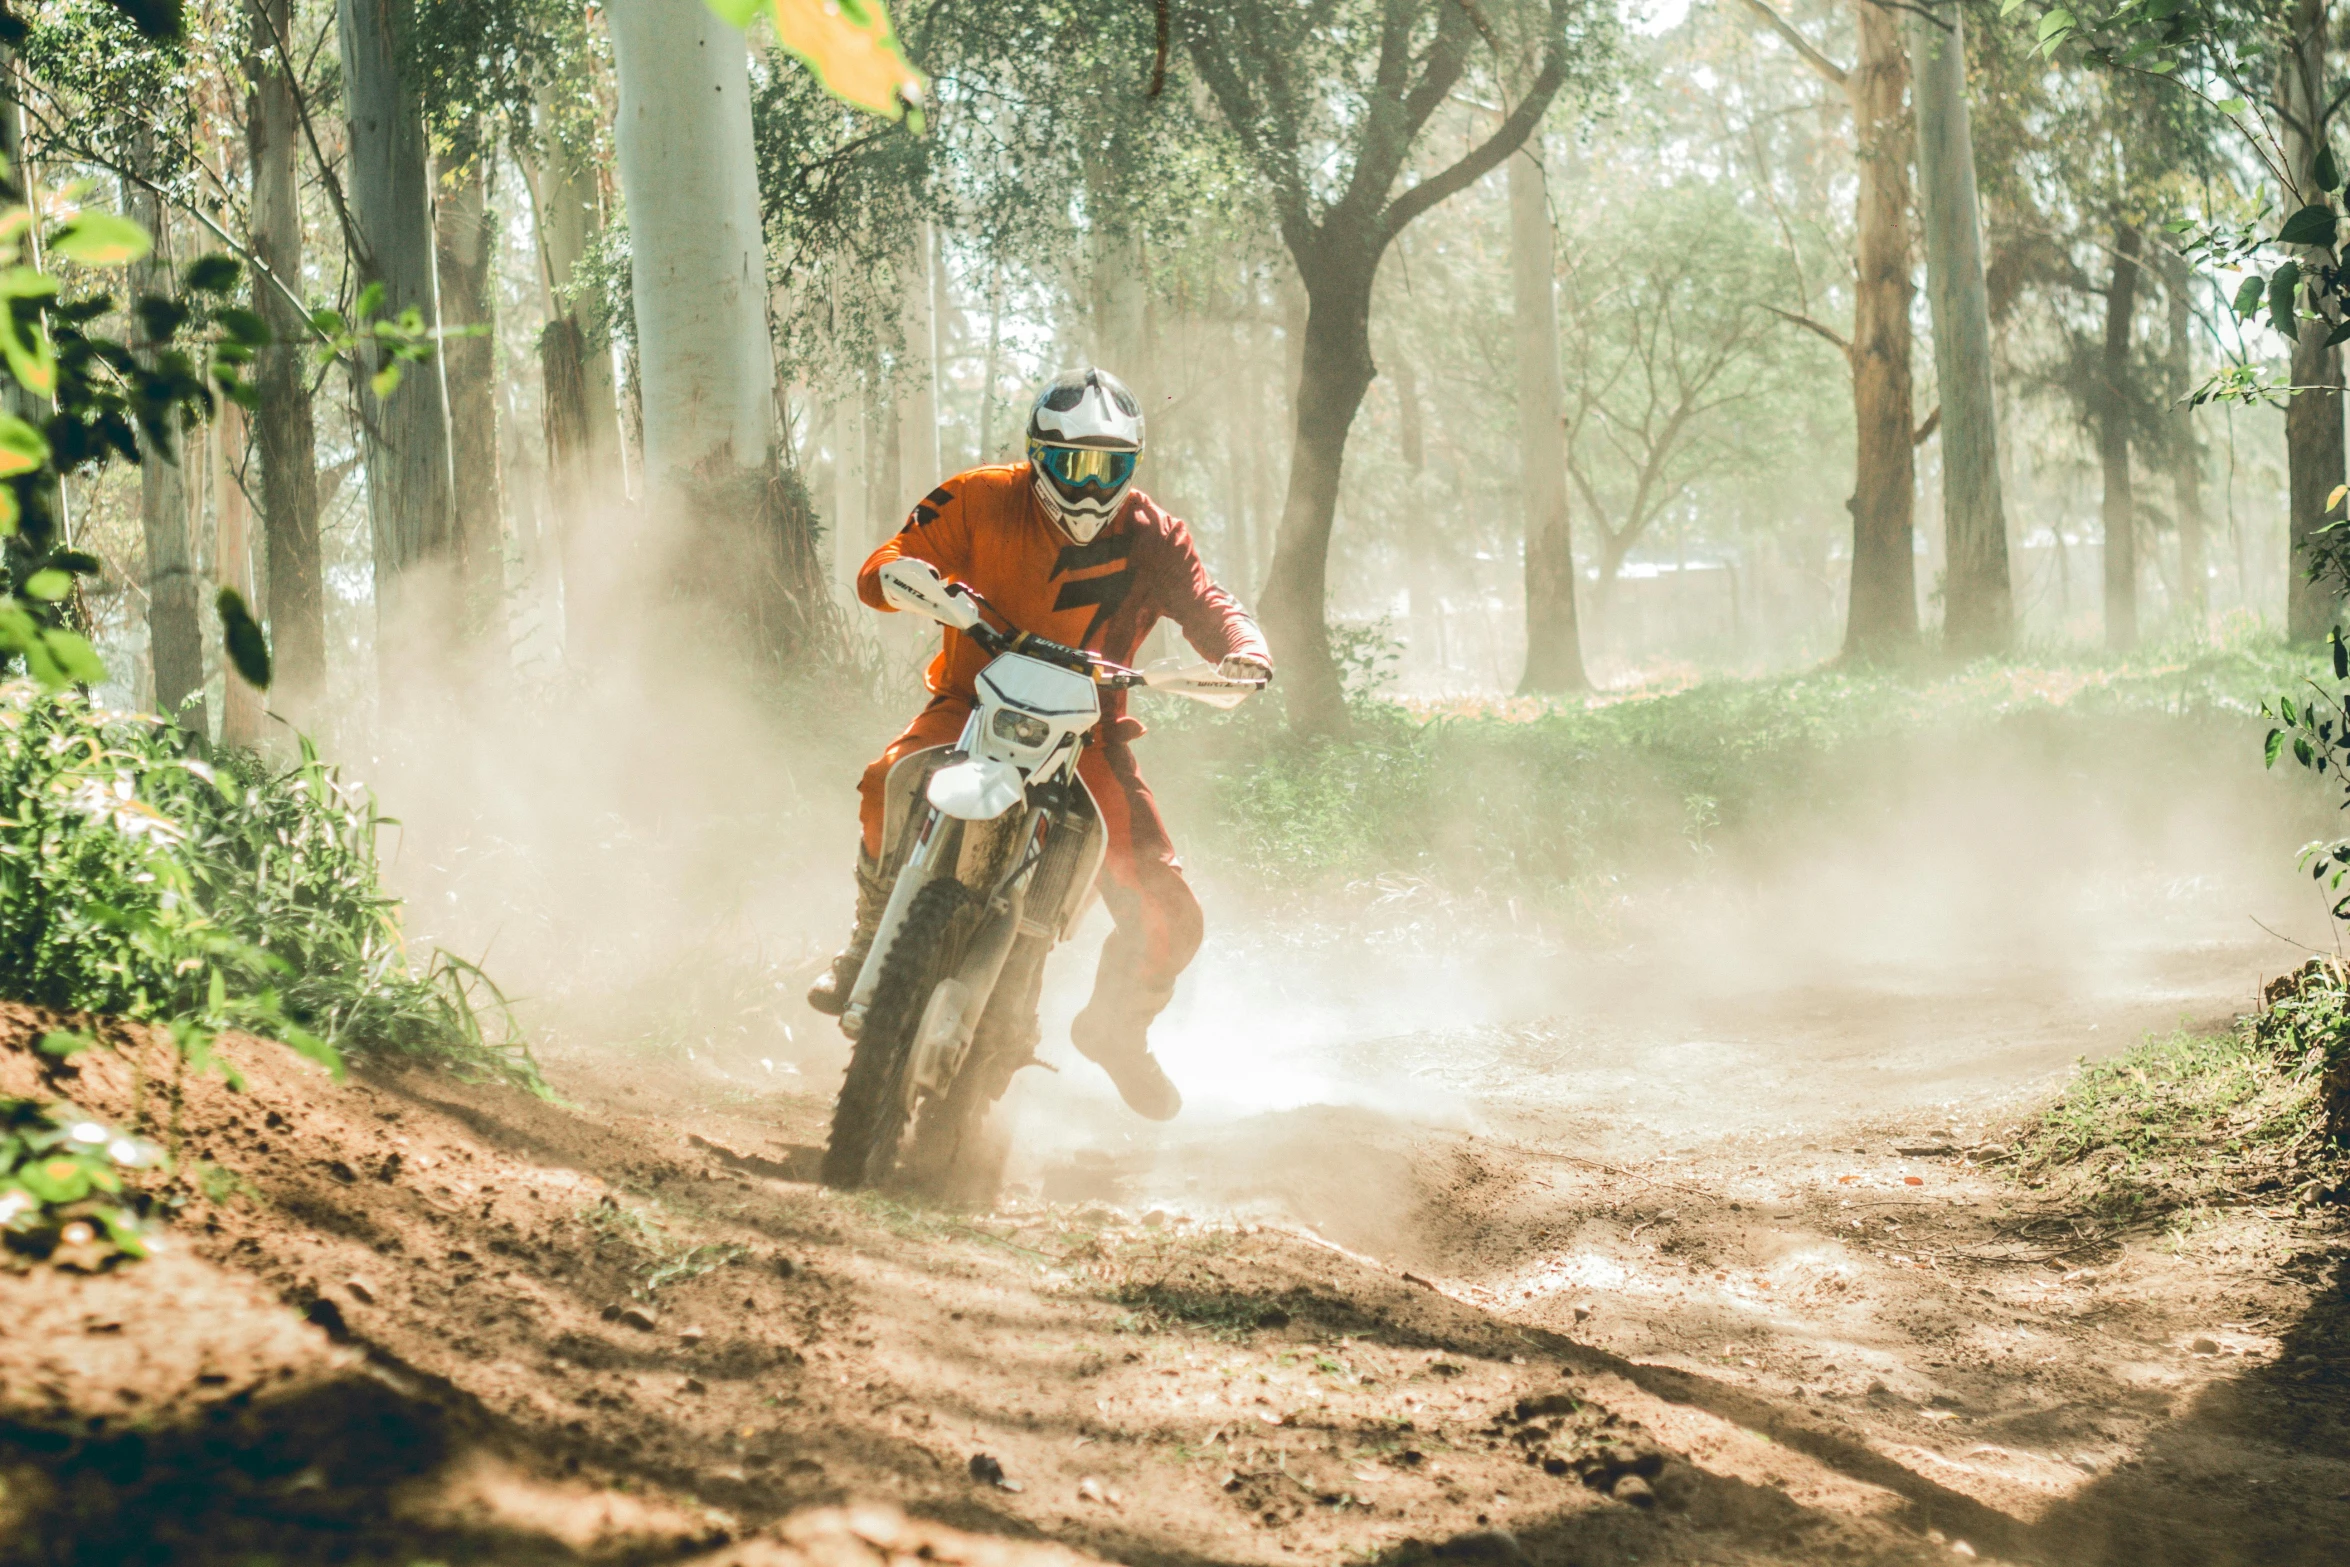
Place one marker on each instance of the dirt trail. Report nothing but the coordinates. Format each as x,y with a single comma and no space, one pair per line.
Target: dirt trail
1656,1302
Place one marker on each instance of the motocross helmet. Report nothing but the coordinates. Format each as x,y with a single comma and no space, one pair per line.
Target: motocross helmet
1084,435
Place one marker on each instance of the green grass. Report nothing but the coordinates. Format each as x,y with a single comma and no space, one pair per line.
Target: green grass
2188,1121
1560,802
137,881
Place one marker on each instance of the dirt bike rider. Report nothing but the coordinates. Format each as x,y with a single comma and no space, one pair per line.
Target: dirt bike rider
1063,546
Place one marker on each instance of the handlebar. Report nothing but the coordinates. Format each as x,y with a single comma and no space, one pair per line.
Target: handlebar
1103,671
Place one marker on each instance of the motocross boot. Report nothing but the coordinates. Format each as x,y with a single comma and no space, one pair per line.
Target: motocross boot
1113,1032
830,994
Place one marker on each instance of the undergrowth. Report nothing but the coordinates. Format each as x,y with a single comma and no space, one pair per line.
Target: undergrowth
2207,1120
1559,801
139,882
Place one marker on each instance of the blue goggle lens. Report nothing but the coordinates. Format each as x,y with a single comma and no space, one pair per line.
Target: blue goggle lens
1085,467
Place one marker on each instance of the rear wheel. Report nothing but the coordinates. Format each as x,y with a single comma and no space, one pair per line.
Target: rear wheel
870,1117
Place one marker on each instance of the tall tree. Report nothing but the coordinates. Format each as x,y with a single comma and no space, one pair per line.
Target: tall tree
2186,451
1329,161
283,427
2114,405
406,437
1978,596
175,634
2313,413
1881,618
698,279
465,251
1554,642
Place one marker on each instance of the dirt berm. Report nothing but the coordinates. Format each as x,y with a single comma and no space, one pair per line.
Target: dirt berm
404,1320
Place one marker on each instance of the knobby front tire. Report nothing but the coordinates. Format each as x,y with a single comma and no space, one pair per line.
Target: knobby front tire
870,1118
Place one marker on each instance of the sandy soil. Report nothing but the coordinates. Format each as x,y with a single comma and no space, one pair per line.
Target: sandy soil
1740,1281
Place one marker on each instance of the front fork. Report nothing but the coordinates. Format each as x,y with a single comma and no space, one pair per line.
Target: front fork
937,831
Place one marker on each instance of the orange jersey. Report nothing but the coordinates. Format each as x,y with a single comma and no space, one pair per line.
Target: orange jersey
986,529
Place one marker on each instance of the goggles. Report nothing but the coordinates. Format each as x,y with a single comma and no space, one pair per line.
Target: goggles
1075,468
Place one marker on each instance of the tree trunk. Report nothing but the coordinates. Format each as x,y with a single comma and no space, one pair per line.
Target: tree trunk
465,239
175,636
232,566
1554,644
581,415
2313,419
282,424
1978,597
2186,453
918,378
406,433
698,271
1334,373
1882,617
2113,446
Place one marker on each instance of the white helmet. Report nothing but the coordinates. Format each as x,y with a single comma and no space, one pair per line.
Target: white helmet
1084,435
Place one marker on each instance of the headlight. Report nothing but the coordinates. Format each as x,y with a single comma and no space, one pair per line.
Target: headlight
1021,729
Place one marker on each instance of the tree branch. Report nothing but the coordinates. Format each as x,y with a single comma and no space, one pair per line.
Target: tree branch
1488,154
1843,345
1933,423
1834,74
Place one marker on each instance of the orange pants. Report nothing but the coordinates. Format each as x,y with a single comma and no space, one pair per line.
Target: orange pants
1157,917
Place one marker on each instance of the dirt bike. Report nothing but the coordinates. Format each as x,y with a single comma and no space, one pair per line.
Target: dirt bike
994,846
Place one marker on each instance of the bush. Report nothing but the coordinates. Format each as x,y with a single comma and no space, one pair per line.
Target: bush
2205,1120
138,881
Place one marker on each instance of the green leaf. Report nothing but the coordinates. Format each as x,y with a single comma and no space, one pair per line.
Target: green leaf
48,585
385,381
2007,8
72,658
26,283
328,322
2340,334
61,1044
244,327
241,634
2312,225
22,448
2328,170
2281,289
2301,751
2231,106
371,300
2248,295
213,274
2056,21
736,13
2341,655
32,358
102,239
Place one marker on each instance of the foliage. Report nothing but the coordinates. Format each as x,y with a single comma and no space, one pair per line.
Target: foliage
2205,1119
1557,804
61,1188
2317,734
204,897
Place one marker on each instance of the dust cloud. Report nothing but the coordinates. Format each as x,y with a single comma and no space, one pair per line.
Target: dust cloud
653,859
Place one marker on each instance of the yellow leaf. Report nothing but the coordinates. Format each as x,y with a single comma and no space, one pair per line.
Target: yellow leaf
854,53
2335,499
22,448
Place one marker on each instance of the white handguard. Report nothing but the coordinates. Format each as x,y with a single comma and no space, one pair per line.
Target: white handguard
916,585
1201,682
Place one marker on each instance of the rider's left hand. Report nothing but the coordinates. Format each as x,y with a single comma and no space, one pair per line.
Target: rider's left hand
1241,667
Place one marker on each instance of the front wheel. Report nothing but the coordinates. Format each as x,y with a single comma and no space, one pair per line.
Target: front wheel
870,1117
961,1142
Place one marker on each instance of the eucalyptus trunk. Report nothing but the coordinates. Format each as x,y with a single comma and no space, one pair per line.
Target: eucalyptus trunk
2313,418
1882,616
698,274
406,432
1554,645
284,429
2186,452
1335,372
2119,510
1978,596
465,239
580,417
175,635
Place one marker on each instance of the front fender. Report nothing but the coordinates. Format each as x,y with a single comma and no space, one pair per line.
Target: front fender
977,790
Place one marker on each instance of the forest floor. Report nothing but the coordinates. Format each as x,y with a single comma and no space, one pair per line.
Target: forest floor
404,1320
